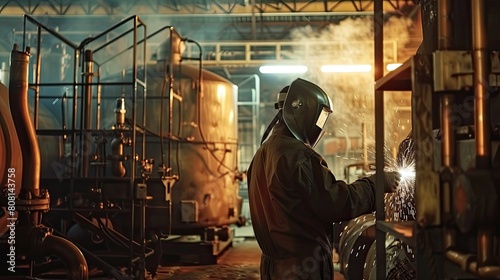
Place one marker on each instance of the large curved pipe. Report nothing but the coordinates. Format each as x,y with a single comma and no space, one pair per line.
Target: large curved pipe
18,90
10,150
68,253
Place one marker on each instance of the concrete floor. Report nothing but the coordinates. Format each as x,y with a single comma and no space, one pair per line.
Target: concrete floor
239,262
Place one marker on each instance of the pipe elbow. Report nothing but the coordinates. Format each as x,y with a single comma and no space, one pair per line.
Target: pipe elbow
69,254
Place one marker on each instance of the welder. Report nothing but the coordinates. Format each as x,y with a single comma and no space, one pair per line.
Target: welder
294,197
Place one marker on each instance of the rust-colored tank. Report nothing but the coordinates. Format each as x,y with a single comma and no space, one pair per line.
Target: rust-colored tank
205,155
200,155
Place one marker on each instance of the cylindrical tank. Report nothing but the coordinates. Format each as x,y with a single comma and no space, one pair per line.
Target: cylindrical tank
205,157
200,151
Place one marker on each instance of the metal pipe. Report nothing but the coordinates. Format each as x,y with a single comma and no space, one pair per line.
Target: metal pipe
98,110
447,129
133,160
69,254
485,247
444,25
37,77
135,19
18,91
465,261
448,132
489,272
87,109
117,158
50,31
254,21
449,239
73,158
120,111
144,88
481,66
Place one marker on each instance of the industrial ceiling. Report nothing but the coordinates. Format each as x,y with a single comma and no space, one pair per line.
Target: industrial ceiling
219,24
203,20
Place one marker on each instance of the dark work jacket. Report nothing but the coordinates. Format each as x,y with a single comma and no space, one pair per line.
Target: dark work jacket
294,201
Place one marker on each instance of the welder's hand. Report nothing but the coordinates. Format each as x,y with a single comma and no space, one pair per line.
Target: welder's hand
392,180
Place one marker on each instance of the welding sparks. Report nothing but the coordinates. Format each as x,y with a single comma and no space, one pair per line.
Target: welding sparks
400,205
406,173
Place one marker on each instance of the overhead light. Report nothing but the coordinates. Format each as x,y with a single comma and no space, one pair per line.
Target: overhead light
392,66
347,68
276,69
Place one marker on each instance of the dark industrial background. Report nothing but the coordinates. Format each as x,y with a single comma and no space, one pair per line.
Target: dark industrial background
150,179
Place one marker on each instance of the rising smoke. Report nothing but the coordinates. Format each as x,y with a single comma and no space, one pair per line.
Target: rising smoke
351,42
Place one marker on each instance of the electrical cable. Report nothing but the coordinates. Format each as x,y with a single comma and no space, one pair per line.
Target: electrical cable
221,163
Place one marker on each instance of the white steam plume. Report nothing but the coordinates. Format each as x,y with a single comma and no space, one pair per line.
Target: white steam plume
353,93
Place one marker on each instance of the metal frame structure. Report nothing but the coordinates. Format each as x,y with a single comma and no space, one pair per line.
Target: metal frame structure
444,187
81,82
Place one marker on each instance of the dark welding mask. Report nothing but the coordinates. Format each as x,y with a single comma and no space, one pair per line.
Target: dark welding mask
306,110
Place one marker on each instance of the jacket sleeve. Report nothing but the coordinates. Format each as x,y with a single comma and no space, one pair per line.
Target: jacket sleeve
334,200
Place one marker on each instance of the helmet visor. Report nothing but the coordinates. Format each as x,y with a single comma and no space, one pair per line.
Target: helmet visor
320,123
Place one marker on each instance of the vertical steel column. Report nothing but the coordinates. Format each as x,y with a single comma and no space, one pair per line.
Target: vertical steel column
427,191
378,27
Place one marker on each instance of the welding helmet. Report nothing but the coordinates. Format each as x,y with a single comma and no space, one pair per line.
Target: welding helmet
306,110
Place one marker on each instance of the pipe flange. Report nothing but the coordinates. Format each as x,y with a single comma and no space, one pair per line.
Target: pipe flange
26,201
36,204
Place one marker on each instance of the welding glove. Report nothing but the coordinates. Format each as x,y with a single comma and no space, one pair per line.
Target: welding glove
391,180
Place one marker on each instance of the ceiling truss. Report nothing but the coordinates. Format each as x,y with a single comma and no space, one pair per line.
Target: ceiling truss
219,7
